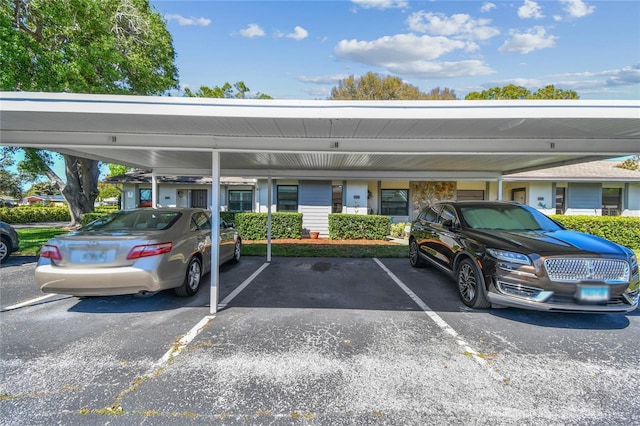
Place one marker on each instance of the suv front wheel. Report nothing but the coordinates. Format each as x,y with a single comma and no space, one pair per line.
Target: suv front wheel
471,285
414,255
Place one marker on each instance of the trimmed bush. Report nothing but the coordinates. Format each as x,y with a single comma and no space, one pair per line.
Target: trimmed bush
28,214
397,229
358,227
624,230
253,226
228,217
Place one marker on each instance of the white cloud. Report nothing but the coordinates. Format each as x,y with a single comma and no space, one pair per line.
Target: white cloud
252,30
487,7
298,33
190,21
397,48
410,54
460,24
322,79
577,8
426,69
530,9
534,39
381,4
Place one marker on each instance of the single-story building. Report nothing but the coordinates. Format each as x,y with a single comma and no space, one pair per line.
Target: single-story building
594,188
45,200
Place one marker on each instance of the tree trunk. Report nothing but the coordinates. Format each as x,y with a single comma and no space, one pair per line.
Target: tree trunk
81,188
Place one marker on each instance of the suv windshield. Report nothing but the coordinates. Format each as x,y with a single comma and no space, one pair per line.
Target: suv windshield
507,217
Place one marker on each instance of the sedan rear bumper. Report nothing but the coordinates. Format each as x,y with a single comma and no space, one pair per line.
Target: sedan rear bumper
98,282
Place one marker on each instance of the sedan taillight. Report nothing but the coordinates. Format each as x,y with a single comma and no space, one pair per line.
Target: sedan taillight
149,250
50,252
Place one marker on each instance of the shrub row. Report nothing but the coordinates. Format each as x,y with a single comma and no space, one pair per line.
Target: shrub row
358,227
623,230
253,226
28,214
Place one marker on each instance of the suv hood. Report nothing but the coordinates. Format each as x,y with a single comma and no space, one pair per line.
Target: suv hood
550,242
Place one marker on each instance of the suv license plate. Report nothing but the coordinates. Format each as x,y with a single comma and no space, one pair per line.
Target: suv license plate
593,294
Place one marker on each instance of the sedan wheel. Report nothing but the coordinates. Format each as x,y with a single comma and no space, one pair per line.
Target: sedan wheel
471,286
191,282
4,250
414,257
237,251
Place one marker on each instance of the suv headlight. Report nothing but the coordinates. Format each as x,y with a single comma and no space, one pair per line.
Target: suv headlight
510,256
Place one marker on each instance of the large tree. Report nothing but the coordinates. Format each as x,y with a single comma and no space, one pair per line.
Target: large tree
372,86
83,46
511,91
239,90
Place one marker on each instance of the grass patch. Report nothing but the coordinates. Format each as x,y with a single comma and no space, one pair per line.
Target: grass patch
328,250
32,239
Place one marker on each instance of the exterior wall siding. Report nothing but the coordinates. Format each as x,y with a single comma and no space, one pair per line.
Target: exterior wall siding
314,202
584,199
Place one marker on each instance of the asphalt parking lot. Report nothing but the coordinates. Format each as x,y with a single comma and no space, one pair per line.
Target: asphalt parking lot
309,341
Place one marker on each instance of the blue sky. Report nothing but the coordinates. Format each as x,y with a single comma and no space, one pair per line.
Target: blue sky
301,49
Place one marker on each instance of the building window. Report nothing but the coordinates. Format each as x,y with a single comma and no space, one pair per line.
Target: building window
287,198
561,200
144,196
199,198
470,194
336,199
240,201
611,201
394,202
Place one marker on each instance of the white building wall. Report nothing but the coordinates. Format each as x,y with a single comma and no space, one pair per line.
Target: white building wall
633,201
540,196
167,196
356,197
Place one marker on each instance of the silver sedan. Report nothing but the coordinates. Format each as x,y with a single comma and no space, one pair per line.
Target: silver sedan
135,251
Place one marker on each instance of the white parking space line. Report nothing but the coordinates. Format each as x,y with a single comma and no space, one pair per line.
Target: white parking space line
183,342
441,323
196,329
28,302
241,287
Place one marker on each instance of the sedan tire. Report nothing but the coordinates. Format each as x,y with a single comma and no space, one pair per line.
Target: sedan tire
471,285
191,282
237,251
414,255
5,249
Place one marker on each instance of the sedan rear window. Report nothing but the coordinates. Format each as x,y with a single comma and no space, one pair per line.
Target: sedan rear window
134,220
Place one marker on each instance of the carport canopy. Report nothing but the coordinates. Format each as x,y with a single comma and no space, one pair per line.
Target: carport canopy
321,139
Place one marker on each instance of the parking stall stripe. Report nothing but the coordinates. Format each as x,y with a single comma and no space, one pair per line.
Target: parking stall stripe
440,322
186,339
28,302
241,287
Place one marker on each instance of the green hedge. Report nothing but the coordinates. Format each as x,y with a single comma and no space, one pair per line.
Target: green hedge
28,214
623,230
253,226
228,217
358,227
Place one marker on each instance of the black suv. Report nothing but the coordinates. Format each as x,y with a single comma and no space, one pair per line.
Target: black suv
508,254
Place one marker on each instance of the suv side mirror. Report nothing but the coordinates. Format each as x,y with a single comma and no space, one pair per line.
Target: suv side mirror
449,224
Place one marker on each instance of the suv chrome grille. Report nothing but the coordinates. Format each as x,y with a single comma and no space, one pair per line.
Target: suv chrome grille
580,269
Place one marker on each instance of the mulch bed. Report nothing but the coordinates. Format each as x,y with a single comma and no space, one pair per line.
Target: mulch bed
326,241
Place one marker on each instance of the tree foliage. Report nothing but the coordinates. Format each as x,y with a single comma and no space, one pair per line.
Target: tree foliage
511,91
10,183
372,86
83,46
632,163
239,90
